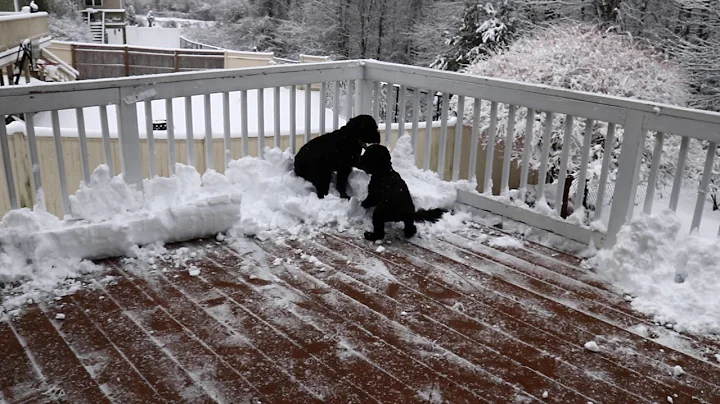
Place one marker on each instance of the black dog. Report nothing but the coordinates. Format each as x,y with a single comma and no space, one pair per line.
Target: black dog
338,151
390,195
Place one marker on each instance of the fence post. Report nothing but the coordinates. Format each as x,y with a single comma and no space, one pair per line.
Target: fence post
177,62
127,62
129,138
364,92
627,175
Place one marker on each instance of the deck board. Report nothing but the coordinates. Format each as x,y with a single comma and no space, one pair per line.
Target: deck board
333,319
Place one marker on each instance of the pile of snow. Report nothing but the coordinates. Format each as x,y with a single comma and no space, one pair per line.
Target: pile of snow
39,252
674,277
274,199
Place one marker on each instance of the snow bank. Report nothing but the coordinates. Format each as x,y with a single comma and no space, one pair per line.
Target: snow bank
274,199
674,278
41,253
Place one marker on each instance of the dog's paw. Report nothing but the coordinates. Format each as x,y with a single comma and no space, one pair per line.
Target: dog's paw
370,236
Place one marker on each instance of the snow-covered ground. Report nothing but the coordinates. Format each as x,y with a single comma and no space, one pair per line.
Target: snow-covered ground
262,198
68,122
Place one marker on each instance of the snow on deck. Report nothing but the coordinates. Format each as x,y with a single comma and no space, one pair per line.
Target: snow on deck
471,317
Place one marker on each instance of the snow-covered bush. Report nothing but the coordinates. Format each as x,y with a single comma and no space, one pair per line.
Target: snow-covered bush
582,58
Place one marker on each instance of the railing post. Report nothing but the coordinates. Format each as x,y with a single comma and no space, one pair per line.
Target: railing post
627,175
129,137
364,92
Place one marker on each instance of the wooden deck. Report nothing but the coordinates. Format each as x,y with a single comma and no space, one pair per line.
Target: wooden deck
450,320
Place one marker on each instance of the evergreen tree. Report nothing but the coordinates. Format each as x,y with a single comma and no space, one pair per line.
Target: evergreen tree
485,29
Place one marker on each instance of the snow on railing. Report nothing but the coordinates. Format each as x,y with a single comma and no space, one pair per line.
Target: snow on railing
487,146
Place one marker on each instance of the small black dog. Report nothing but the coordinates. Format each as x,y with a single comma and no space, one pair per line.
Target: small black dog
337,151
389,193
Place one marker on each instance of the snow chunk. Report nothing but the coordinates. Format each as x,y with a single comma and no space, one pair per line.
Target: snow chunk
592,346
672,277
60,316
678,371
194,271
380,249
506,242
545,394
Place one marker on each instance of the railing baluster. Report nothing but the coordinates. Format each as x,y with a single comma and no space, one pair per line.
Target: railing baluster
358,98
490,151
189,136
702,192
443,134
261,122
276,107
545,154
226,128
607,156
150,138
170,122
474,139
401,111
321,112
107,146
244,122
415,119
428,129
349,100
7,164
507,152
60,160
308,112
209,161
527,145
679,171
376,101
458,138
584,162
336,105
564,160
82,137
654,168
293,122
34,158
388,112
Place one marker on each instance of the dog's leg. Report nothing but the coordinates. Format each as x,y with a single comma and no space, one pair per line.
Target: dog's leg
322,186
342,180
378,232
410,228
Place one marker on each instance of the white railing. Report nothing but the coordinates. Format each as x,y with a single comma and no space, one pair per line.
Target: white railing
454,152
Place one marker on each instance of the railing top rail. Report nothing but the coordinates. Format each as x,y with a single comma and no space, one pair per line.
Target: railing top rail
412,74
35,98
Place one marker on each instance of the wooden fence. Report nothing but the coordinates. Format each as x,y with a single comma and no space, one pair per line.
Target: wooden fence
106,61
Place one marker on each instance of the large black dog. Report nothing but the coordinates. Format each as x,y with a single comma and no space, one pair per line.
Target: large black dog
390,196
337,151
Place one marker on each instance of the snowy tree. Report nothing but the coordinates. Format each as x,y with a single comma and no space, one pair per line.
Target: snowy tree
65,22
583,58
485,28
130,14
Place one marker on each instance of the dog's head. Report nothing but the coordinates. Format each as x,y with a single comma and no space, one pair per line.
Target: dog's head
364,129
375,160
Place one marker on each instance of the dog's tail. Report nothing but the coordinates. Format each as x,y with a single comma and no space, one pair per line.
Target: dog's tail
429,215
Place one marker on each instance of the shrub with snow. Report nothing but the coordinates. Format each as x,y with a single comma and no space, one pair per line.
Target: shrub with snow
582,58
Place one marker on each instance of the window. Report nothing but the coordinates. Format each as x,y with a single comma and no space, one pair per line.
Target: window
91,3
